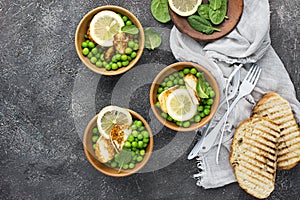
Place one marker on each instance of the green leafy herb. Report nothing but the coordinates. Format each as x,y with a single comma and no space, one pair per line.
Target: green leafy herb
123,158
215,4
203,10
159,10
201,24
131,29
152,39
202,87
218,16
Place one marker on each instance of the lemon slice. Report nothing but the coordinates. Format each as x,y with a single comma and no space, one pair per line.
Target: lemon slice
104,26
110,116
180,105
184,8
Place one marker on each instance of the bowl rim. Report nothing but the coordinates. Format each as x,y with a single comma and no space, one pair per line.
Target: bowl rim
123,173
102,71
157,111
232,21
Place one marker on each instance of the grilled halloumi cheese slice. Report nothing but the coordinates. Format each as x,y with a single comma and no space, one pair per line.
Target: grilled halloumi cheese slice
191,83
162,98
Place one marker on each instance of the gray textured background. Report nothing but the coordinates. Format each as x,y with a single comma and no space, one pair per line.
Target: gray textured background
41,154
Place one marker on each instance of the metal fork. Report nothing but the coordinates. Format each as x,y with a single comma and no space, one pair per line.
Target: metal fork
246,88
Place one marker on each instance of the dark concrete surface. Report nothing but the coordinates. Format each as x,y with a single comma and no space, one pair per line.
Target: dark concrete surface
41,153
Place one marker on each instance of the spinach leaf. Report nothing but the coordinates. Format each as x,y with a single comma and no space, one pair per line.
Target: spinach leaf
201,24
215,4
203,10
123,158
159,10
131,29
152,39
218,16
202,88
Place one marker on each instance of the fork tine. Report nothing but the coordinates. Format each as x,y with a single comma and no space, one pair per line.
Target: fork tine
253,75
250,72
257,76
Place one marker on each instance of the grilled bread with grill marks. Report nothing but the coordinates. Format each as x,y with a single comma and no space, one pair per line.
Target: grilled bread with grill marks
277,109
253,155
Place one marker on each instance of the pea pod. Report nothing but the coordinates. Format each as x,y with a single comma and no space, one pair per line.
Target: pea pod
201,24
218,16
203,10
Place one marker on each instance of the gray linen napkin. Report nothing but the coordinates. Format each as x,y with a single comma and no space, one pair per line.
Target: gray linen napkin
248,43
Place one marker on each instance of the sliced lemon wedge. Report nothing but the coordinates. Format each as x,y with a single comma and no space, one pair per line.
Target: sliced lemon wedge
110,116
104,26
184,8
180,106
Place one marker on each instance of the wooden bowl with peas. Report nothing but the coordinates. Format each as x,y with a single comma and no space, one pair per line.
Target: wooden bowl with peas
141,135
109,40
184,96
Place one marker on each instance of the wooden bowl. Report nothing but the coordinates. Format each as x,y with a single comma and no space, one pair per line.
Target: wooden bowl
104,168
168,71
234,12
83,27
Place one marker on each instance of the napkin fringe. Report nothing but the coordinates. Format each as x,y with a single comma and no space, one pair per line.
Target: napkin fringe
201,172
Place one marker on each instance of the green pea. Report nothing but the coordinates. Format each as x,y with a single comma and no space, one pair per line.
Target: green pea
118,56
125,166
125,63
181,74
94,146
135,133
145,134
91,45
116,155
130,138
140,144
200,108
85,36
114,66
186,124
87,41
157,104
164,84
181,81
123,57
206,111
136,46
133,126
108,67
145,145
134,144
119,64
131,44
166,79
146,140
102,57
95,130
128,23
202,114
186,71
179,123
98,56
169,83
197,118
139,158
198,74
133,54
128,50
127,144
84,44
193,71
212,94
94,51
129,58
139,123
125,18
176,74
90,55
85,51
134,157
99,64
113,164
164,115
171,77
210,102
131,165
176,81
140,137
142,152
93,60
160,90
141,128
104,63
169,118
207,107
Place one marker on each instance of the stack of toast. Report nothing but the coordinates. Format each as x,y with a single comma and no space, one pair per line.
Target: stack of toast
267,141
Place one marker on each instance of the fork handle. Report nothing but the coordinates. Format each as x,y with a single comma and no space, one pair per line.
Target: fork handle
210,138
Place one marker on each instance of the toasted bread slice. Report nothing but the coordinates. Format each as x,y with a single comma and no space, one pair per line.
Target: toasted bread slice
253,156
277,109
